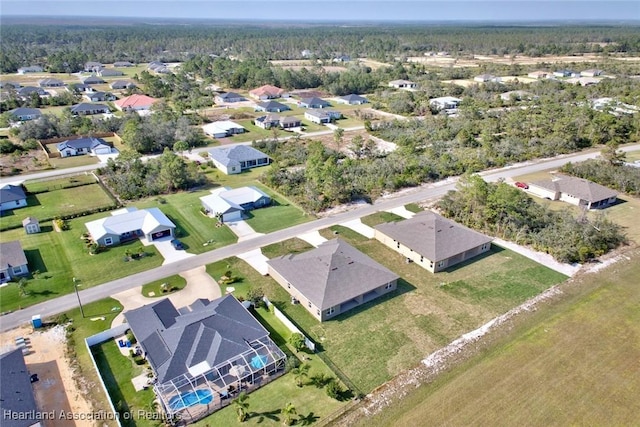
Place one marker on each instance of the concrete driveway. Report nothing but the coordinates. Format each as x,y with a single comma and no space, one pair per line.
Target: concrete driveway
169,253
243,230
357,226
313,238
402,211
257,260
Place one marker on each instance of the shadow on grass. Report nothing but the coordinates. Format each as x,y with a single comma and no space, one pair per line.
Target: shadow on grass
495,249
35,260
45,293
261,416
307,420
117,397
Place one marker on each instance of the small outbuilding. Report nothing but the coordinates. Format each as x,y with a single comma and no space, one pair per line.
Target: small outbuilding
31,225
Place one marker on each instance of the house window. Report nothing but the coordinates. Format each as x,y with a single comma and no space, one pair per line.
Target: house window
421,258
318,312
441,264
108,241
331,311
288,285
430,264
17,269
17,202
398,245
309,304
388,286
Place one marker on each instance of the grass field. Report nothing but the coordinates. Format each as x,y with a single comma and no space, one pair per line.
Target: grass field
380,218
290,246
172,284
61,202
72,162
281,214
570,363
56,184
376,341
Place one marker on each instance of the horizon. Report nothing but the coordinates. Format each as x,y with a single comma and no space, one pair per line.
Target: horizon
353,11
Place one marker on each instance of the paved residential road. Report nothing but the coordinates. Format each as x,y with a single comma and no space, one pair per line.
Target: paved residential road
425,192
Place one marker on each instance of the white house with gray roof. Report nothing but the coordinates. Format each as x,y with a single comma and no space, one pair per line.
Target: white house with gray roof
12,197
576,191
204,354
222,129
321,116
85,145
352,99
13,262
129,224
23,113
87,109
228,204
235,159
432,241
332,279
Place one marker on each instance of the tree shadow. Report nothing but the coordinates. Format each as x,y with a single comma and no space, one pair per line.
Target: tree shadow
267,415
307,420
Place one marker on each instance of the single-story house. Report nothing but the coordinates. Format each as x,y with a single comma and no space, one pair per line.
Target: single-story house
445,103
210,349
23,113
289,122
110,72
566,73
83,145
402,84
584,81
592,72
13,262
17,400
271,107
341,58
135,103
158,67
576,191
332,279
92,80
432,241
352,99
222,129
228,204
30,69
268,121
50,82
518,95
228,97
122,84
322,116
122,64
131,223
268,92
31,225
99,96
483,78
10,85
79,87
92,66
538,74
86,109
313,103
235,159
12,197
26,92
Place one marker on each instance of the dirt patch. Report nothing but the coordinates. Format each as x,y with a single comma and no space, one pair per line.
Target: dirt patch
29,161
56,389
476,61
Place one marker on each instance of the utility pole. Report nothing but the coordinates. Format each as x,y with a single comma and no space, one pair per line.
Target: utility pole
75,286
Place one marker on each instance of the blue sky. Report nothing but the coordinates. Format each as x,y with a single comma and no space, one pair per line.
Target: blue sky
349,10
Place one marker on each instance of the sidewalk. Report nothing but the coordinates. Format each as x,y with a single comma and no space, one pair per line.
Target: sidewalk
540,257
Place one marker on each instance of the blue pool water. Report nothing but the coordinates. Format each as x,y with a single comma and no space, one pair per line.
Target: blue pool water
190,398
259,361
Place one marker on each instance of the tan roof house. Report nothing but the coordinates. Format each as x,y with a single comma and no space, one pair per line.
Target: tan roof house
432,241
331,279
577,191
268,92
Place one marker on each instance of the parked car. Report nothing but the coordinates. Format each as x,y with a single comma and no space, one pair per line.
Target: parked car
177,244
523,185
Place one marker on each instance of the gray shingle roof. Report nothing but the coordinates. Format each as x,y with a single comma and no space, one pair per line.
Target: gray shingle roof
433,236
24,111
273,106
86,107
12,254
332,273
11,193
230,95
315,101
237,153
84,143
212,331
577,187
16,393
353,97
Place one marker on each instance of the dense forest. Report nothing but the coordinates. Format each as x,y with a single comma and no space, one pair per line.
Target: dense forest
64,48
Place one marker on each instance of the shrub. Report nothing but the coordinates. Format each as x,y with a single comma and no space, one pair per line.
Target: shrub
297,341
333,389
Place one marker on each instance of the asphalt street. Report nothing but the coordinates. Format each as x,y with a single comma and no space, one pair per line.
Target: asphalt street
425,192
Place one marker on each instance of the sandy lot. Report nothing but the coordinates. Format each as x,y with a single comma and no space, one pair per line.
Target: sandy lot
447,61
56,389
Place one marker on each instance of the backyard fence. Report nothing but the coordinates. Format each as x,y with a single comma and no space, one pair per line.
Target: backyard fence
100,338
343,377
289,324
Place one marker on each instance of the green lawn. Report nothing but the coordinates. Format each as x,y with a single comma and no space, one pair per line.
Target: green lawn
632,156
380,218
281,214
171,284
61,202
290,246
72,162
573,362
61,256
59,183
413,207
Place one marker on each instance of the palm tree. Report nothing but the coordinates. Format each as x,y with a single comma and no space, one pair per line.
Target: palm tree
241,406
300,373
288,411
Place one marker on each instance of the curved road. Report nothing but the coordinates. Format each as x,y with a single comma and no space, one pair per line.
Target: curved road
425,192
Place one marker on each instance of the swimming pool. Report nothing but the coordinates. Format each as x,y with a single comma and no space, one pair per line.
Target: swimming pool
190,398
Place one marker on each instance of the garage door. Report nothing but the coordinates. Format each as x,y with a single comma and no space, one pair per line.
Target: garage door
160,234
